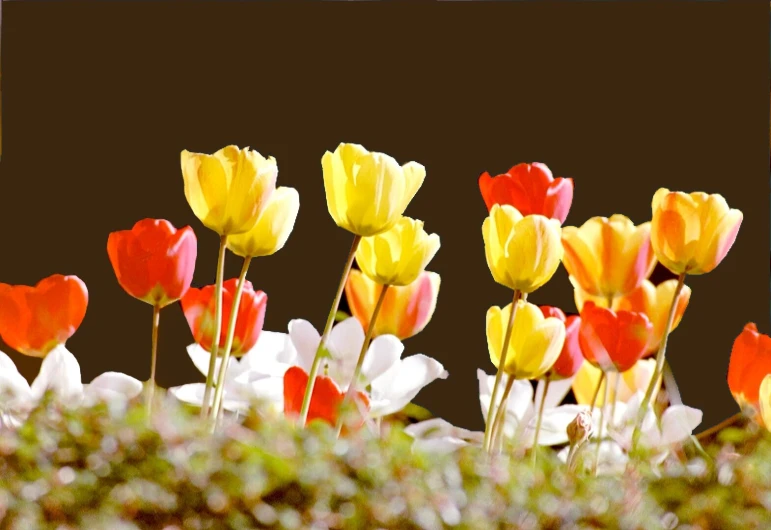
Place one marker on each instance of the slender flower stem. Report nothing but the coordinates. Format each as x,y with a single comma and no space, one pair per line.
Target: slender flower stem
596,393
153,358
616,385
360,362
217,327
220,387
320,351
500,416
501,365
534,450
720,426
660,358
602,421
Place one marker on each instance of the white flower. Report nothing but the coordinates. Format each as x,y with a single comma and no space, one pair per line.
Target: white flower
522,409
255,376
438,436
60,374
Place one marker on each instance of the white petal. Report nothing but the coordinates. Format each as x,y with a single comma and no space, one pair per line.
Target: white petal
404,381
7,364
59,373
553,426
112,386
382,355
192,393
201,359
439,428
438,446
345,342
678,423
271,348
558,389
305,340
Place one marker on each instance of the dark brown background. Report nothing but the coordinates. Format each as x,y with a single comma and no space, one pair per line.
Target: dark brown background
99,99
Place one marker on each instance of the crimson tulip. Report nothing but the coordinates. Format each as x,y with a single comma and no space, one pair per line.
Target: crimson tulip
34,320
613,339
531,189
198,306
571,358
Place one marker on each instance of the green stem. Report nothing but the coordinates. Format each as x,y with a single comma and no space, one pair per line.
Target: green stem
602,421
534,450
220,388
153,358
616,385
500,417
360,362
320,351
660,358
720,426
596,393
501,365
217,327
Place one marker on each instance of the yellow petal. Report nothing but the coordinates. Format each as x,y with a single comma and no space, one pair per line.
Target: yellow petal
765,401
273,227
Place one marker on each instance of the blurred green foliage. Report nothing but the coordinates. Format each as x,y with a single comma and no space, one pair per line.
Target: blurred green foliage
109,468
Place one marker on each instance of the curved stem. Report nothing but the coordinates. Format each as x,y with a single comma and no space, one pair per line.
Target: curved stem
501,365
660,358
217,327
321,350
153,358
616,385
360,362
534,450
220,387
500,416
720,426
596,393
602,421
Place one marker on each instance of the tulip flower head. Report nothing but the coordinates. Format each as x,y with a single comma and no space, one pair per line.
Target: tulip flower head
531,189
153,261
198,306
273,227
405,310
750,363
522,253
765,401
398,255
634,380
228,190
613,340
367,192
34,320
536,341
652,300
608,257
571,358
692,233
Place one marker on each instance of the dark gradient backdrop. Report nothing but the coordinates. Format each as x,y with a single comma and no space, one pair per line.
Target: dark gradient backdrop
100,98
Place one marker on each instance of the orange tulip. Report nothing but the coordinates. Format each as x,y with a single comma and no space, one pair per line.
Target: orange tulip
749,364
34,320
692,233
571,358
405,310
325,401
608,257
652,300
154,261
613,340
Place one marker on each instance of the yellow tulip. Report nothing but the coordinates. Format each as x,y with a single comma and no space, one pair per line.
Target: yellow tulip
522,253
229,189
273,227
405,310
535,344
653,300
608,257
399,255
367,192
692,233
765,401
634,380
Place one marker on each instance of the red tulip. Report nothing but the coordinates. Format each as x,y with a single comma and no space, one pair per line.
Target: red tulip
198,306
750,363
613,339
154,261
325,400
571,358
34,320
531,189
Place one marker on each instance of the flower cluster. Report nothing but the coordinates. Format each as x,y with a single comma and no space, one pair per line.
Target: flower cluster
611,354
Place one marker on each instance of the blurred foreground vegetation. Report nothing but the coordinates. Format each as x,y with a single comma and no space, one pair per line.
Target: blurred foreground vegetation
109,469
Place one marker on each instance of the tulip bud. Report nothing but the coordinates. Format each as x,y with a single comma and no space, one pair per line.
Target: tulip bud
580,429
273,227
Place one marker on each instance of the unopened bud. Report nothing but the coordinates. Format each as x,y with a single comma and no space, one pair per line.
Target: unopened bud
580,429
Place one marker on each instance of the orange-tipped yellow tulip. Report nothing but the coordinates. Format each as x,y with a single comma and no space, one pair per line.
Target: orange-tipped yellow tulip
652,300
608,257
634,380
536,341
523,253
398,255
692,233
765,401
273,227
405,310
229,189
367,192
